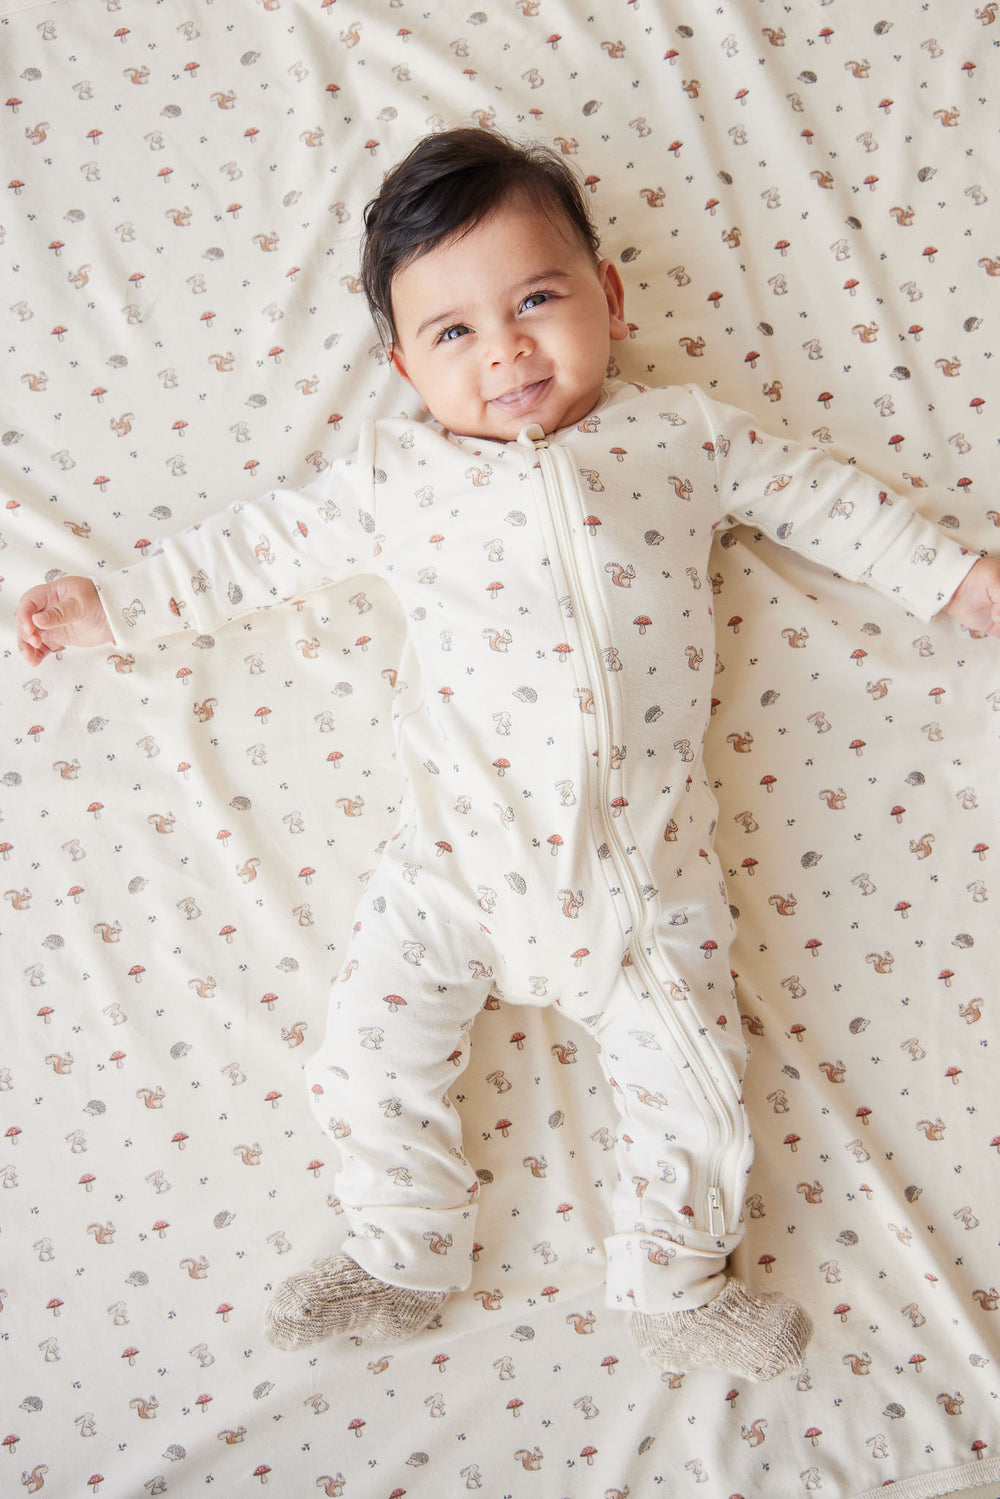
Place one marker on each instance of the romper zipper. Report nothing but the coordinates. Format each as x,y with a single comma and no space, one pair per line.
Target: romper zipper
726,1119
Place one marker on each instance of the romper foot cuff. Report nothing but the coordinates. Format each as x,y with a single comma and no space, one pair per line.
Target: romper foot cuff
336,1296
756,1336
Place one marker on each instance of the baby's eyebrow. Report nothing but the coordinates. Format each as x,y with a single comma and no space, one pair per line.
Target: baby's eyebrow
454,314
435,321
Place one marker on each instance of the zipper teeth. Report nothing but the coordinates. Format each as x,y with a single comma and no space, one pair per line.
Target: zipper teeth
727,1123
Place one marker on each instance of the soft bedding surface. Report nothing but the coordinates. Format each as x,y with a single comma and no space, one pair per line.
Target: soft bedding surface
803,201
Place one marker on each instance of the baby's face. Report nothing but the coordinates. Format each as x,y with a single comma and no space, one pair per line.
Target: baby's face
509,325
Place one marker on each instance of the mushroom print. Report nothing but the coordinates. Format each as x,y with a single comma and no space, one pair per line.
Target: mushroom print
432,716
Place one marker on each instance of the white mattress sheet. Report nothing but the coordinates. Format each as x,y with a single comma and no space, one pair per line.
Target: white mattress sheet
803,200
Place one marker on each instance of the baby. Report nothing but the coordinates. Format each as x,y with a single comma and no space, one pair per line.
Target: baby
547,536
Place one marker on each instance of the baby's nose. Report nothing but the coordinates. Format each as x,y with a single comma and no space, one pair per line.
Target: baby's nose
508,344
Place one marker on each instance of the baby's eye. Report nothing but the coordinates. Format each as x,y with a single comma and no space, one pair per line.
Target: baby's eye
449,335
534,299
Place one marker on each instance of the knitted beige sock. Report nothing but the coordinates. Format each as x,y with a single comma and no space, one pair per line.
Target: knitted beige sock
757,1337
337,1296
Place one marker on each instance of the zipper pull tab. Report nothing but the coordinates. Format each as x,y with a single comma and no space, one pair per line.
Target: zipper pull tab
716,1221
536,436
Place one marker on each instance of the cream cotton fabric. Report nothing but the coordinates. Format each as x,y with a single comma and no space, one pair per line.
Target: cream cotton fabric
535,576
802,201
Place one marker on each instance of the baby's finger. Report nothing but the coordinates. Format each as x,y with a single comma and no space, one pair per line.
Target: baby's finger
55,616
26,607
33,651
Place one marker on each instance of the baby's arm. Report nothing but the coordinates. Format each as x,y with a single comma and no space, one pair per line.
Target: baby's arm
976,601
250,556
65,612
837,515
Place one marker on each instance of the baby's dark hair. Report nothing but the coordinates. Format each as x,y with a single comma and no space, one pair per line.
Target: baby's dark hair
450,182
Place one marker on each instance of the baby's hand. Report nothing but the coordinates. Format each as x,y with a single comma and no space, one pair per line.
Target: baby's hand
65,612
976,601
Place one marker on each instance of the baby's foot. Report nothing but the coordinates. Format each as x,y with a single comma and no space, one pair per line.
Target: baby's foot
757,1337
337,1296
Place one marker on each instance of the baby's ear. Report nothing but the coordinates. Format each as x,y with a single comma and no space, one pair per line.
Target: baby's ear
396,360
614,291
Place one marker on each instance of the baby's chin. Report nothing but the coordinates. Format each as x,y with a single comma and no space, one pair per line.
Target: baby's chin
499,426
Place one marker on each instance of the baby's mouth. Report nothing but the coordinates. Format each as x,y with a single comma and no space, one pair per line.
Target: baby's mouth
523,398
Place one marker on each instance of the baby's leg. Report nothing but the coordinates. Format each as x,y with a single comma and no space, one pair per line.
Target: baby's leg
417,973
684,1151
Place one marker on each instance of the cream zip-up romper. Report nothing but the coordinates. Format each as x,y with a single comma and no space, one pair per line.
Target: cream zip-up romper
556,838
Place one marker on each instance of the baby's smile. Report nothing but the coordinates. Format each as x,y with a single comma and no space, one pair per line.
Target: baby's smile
523,397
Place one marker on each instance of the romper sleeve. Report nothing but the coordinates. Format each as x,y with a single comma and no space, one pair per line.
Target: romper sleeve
833,513
255,554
